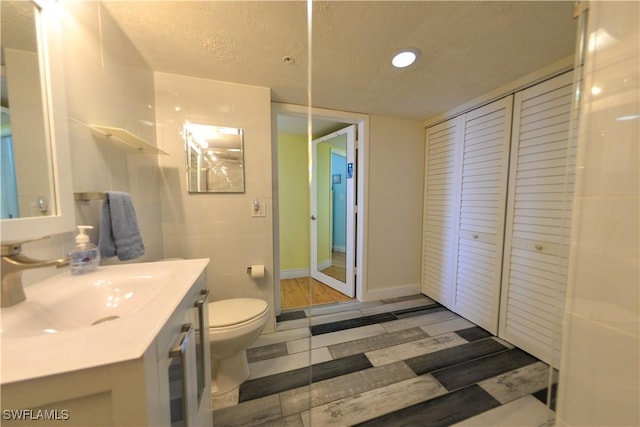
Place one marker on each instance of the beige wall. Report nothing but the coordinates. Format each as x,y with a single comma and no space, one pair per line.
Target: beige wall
599,373
218,226
395,192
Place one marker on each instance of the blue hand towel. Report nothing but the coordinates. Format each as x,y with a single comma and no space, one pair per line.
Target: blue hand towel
119,233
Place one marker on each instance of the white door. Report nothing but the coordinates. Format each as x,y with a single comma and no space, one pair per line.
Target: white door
332,221
483,193
441,207
538,224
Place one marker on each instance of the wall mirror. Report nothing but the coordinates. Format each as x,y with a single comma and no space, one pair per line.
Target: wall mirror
26,159
35,199
214,158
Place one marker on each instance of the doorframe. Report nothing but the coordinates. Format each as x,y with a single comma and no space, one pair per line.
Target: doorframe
362,145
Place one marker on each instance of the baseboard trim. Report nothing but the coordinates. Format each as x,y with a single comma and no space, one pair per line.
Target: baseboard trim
324,264
400,291
294,273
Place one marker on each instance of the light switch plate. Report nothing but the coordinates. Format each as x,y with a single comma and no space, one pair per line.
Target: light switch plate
261,211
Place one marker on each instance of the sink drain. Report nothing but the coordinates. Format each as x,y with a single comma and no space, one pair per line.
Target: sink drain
105,319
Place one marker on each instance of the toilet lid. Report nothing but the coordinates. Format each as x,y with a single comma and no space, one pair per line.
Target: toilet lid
233,311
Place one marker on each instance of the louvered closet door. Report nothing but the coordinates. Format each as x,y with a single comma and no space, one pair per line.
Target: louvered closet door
538,219
442,177
483,195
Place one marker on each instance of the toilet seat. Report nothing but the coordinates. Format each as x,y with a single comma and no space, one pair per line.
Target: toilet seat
235,311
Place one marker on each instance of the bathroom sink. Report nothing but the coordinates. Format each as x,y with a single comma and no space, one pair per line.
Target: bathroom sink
101,318
65,302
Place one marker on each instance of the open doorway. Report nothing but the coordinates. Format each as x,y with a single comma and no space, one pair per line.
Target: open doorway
317,249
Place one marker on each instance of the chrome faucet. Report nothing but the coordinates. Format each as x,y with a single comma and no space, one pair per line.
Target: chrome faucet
12,266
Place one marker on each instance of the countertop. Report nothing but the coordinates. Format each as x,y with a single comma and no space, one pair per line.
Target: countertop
122,339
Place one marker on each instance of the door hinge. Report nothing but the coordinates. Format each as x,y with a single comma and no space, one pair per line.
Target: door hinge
355,209
357,144
355,271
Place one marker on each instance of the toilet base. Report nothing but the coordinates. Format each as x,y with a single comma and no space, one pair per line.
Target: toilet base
229,373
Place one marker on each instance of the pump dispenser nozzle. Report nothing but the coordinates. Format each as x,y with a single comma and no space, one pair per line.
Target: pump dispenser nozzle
82,237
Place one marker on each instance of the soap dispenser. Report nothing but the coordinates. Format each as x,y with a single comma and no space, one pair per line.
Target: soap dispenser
85,256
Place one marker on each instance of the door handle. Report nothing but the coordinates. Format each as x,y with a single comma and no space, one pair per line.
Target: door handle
313,217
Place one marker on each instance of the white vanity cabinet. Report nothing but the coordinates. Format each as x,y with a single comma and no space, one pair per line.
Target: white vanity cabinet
168,385
183,363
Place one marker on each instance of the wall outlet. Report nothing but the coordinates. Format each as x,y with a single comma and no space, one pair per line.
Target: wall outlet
260,211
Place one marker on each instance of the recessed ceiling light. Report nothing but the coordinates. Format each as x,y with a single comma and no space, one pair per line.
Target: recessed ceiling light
405,57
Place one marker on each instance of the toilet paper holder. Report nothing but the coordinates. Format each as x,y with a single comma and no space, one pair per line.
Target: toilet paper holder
256,271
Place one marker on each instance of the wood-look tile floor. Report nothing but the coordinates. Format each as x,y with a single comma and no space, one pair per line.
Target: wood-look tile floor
303,292
337,269
406,361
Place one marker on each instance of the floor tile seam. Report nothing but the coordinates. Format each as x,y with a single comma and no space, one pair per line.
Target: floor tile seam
406,310
511,398
317,364
286,323
387,333
404,298
350,327
292,310
514,398
485,356
416,309
312,381
441,396
425,324
310,337
380,347
310,367
445,392
380,323
307,389
483,379
458,363
421,402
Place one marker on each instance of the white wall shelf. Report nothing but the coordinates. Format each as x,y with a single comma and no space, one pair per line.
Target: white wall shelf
127,140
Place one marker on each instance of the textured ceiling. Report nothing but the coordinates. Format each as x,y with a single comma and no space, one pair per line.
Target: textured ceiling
467,48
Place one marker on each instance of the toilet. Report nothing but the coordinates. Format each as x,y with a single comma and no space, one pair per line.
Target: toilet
234,324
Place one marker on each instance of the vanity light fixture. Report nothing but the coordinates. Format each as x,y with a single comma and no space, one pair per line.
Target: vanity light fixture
405,57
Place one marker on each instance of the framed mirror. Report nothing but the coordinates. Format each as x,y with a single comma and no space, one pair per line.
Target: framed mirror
26,158
37,198
214,158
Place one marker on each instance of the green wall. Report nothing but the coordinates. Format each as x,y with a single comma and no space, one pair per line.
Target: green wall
293,183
